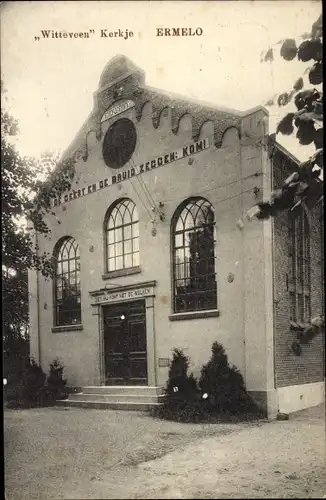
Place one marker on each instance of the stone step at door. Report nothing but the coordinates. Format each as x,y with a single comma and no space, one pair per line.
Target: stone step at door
140,398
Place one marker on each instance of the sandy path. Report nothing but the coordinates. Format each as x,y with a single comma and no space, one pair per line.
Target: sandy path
99,454
277,460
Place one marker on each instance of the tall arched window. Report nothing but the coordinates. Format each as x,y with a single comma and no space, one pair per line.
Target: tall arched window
67,303
299,275
122,236
193,240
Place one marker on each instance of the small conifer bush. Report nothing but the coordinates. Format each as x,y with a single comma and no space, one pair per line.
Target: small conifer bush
55,381
182,400
224,386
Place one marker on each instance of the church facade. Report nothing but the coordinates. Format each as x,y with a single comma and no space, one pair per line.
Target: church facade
153,251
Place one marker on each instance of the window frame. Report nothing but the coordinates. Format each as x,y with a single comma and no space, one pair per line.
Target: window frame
134,239
60,247
192,312
299,288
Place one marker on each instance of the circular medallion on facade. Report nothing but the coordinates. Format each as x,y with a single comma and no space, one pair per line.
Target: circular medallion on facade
119,143
230,277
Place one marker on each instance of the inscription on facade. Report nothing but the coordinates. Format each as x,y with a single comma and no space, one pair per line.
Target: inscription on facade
171,157
123,295
116,110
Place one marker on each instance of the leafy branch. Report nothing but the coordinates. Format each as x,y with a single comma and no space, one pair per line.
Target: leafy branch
304,186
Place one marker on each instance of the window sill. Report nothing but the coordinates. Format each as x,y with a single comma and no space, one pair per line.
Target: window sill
194,315
67,328
121,272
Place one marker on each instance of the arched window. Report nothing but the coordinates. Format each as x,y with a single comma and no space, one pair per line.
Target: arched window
193,241
299,275
67,303
122,236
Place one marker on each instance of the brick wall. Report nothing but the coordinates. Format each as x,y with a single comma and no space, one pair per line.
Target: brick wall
309,366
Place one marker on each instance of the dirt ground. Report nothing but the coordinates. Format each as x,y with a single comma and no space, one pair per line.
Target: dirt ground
71,453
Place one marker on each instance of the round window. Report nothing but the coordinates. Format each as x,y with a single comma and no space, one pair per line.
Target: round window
119,143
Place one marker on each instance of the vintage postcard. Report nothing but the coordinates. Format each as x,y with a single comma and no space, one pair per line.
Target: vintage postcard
163,256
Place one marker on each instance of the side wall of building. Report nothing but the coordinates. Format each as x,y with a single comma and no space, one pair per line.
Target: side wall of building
299,379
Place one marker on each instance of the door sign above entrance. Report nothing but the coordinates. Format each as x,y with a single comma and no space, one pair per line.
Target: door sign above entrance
123,293
117,110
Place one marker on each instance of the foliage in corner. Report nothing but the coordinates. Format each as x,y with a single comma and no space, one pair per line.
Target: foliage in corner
304,186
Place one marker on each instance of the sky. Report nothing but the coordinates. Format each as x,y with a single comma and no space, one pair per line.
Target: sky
50,82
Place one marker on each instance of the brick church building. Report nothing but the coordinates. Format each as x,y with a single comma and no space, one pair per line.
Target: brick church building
153,251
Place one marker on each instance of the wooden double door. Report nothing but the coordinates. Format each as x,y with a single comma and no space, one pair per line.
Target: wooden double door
125,350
